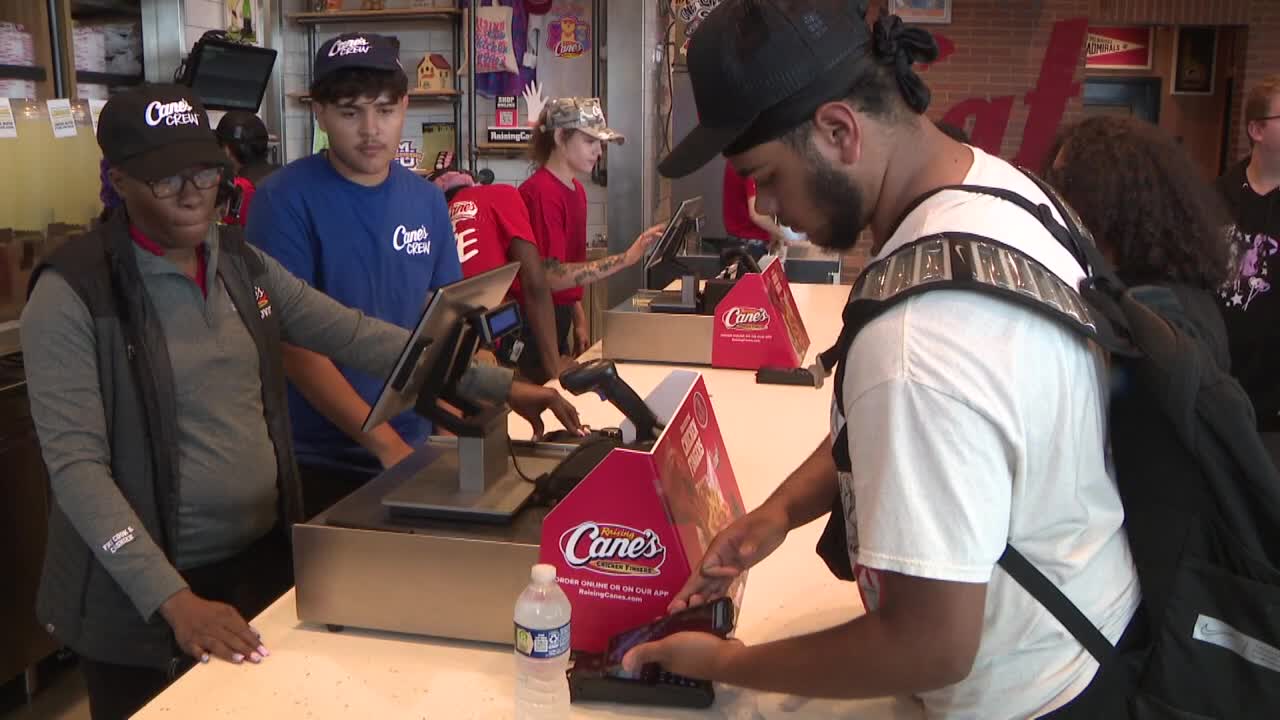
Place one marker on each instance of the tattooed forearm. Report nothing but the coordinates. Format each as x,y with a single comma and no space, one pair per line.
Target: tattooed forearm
562,276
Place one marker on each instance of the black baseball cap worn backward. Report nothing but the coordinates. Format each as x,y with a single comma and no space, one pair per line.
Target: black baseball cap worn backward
157,131
760,67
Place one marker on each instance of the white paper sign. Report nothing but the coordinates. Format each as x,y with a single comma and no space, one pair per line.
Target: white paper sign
8,126
61,117
95,109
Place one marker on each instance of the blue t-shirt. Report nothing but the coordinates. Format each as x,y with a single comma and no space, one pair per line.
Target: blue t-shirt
378,249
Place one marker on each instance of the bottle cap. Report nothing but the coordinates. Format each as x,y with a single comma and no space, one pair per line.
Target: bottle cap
543,574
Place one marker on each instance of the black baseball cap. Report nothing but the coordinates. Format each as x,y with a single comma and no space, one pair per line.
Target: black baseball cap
241,126
357,50
761,67
156,131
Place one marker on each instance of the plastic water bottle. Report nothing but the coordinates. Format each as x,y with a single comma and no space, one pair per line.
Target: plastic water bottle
542,648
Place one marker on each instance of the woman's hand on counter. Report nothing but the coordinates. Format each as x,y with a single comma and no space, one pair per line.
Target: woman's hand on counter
204,628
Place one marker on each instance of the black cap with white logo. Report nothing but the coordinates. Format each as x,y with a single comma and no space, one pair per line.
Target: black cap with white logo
357,50
156,131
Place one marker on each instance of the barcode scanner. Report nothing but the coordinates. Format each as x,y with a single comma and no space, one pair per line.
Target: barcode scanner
601,377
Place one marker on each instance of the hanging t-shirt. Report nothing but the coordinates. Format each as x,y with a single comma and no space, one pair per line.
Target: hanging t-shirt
1251,305
736,211
559,217
567,39
378,249
508,83
486,218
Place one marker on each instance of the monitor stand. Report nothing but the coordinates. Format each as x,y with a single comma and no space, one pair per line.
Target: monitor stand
478,483
684,300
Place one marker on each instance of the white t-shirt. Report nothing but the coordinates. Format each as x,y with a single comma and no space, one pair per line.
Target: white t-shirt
974,422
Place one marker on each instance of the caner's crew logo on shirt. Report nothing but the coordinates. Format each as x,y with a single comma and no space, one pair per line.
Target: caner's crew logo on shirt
1250,259
174,113
611,549
355,46
412,242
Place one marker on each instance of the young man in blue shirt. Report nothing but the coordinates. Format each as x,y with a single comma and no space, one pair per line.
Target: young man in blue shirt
369,233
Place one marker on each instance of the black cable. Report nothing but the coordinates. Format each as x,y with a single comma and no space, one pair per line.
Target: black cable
511,448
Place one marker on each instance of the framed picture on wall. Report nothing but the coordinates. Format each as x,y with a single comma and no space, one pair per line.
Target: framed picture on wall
936,12
1194,52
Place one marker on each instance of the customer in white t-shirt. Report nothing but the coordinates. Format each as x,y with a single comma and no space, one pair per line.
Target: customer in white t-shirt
972,422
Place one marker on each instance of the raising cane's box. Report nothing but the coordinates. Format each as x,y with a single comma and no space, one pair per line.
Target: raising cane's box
624,541
758,324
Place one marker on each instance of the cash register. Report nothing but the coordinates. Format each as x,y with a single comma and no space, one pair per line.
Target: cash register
441,543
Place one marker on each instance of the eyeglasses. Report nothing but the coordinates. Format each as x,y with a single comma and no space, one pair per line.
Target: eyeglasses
1265,118
202,179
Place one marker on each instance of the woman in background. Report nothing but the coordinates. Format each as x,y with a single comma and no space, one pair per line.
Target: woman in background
567,142
1153,213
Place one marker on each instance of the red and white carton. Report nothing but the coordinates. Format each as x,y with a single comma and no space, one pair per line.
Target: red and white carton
624,541
758,325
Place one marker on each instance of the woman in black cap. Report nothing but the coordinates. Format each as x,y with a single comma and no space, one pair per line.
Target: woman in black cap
243,137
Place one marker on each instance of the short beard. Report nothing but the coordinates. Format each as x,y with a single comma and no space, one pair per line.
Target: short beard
836,199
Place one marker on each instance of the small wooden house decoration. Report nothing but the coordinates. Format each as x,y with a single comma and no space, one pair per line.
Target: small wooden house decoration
435,74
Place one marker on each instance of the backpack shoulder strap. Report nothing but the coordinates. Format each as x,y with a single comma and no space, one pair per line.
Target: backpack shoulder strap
1052,598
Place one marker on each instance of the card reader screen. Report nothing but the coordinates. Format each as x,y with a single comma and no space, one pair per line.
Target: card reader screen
503,321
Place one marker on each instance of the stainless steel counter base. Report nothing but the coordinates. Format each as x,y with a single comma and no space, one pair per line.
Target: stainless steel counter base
633,333
355,565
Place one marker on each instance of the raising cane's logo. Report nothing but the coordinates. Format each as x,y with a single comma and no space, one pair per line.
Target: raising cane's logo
746,318
613,549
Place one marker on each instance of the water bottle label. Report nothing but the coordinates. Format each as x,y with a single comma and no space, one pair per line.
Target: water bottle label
542,644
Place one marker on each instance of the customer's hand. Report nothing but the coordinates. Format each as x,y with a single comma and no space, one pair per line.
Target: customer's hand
698,655
641,245
736,549
529,401
205,628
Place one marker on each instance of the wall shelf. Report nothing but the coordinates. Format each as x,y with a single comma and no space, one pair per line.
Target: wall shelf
405,14
415,96
23,72
101,78
486,148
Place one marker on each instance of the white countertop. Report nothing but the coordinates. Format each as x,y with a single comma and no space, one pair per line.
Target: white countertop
768,430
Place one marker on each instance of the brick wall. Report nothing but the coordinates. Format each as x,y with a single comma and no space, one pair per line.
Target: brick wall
1000,47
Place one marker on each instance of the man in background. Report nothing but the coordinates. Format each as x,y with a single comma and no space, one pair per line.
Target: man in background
359,227
244,139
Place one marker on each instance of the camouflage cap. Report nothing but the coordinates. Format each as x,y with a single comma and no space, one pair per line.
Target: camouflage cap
581,114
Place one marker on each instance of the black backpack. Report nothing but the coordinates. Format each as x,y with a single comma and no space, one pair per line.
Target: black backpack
1200,492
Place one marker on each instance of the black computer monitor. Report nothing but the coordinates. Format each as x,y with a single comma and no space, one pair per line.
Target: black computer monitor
476,481
227,75
668,247
431,356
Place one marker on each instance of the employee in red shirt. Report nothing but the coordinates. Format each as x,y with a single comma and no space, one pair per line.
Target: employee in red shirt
244,139
746,227
491,224
567,141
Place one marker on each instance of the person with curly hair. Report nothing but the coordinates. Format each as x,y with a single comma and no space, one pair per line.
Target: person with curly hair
1152,214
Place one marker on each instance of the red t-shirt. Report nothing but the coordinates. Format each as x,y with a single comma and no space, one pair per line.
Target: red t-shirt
486,218
151,246
736,212
559,217
246,194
